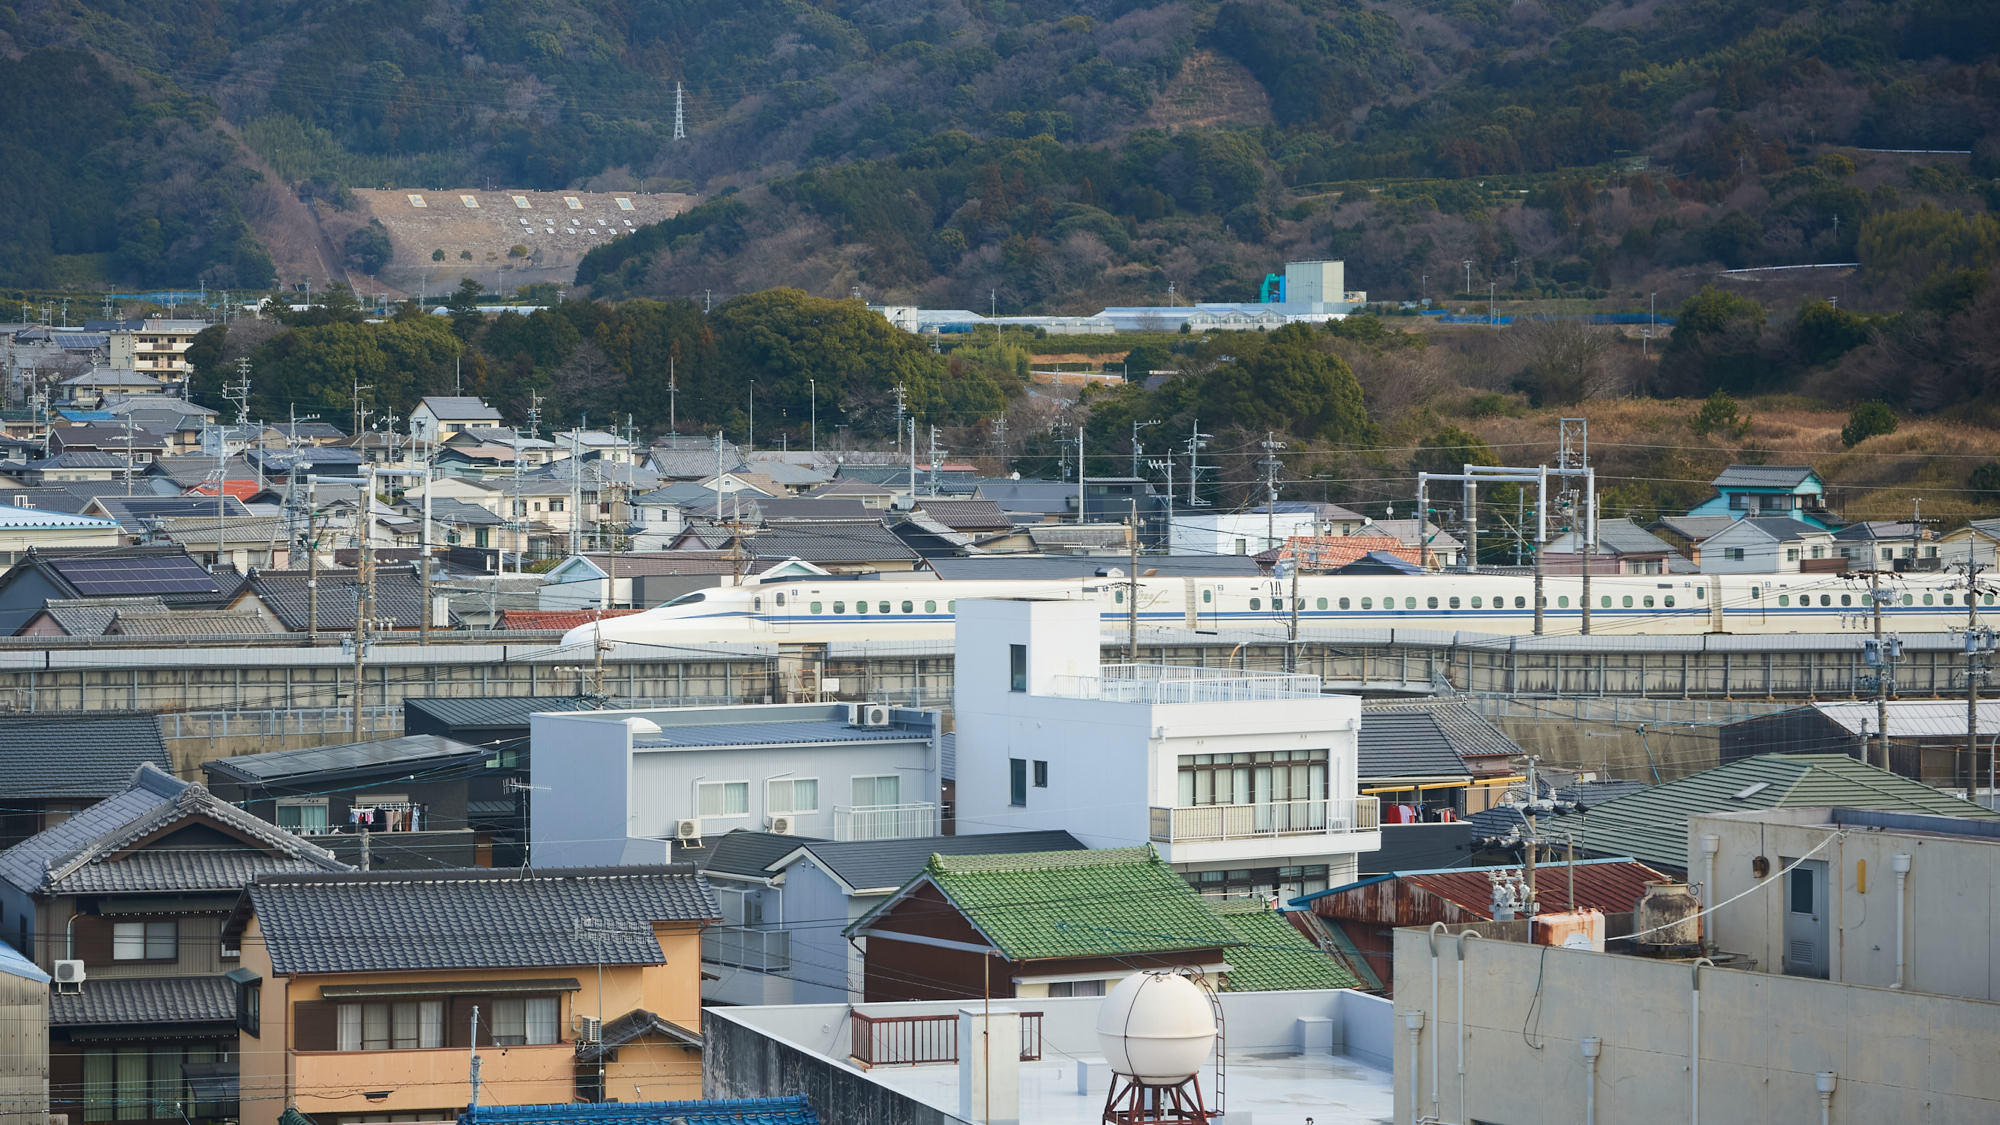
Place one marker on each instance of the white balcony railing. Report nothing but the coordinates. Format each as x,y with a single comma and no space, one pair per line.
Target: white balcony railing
1179,683
885,822
1275,818
766,951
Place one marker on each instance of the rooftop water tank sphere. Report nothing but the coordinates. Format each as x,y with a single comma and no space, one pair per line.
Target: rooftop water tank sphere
1156,1028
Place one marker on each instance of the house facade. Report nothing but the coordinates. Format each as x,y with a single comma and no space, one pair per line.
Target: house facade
1237,533
1768,545
1790,491
437,417
568,984
156,347
1246,783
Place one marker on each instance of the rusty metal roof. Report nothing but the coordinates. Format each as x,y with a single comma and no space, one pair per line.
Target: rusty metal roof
1465,894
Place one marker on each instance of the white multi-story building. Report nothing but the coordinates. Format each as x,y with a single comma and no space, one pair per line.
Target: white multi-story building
1238,533
156,347
1244,781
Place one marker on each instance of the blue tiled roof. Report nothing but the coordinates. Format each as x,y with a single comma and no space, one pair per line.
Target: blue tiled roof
732,1111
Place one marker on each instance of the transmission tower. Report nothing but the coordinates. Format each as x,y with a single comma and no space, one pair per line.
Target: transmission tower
680,113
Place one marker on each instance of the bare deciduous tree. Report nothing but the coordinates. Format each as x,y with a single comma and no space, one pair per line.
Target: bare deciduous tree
1565,361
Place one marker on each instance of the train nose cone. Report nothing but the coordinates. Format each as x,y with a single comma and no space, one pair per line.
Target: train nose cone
584,635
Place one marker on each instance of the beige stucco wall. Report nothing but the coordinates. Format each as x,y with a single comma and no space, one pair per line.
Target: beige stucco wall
1899,1057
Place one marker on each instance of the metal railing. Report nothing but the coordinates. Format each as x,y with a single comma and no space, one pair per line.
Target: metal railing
918,1040
885,822
1274,818
765,951
1176,683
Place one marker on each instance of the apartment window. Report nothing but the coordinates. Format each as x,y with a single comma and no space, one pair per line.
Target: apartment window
144,941
1041,775
1242,546
878,789
527,1020
1791,554
722,798
791,795
405,1025
1252,778
556,505
140,1082
1017,782
1733,554
1076,988
1017,667
302,814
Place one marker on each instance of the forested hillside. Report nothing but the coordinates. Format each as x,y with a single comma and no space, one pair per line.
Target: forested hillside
1045,156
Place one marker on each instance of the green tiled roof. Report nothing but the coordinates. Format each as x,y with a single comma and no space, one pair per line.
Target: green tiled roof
1652,825
1040,905
1273,957
292,1116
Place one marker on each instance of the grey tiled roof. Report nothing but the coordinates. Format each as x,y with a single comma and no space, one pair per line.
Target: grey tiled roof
460,408
399,596
187,623
887,864
1763,476
1471,734
91,754
489,711
145,1000
1007,567
830,542
785,509
280,765
390,921
90,617
967,515
744,852
1405,744
87,854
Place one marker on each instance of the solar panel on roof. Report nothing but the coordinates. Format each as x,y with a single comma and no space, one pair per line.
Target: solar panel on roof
521,201
471,202
116,576
624,204
573,203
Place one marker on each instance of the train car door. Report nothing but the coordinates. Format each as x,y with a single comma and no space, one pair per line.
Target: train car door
1715,622
779,608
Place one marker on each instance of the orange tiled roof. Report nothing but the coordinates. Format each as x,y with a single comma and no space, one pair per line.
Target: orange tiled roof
1325,552
556,618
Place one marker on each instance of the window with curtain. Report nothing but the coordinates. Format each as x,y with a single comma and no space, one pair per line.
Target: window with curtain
403,1025
144,941
789,795
885,789
135,1084
722,798
525,1020
302,814
1252,779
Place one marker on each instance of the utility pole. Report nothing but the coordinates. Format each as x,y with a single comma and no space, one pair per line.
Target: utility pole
1197,441
901,402
1136,450
673,393
1574,456
1881,654
1534,840
718,478
913,459
1979,646
812,388
1079,475
1271,464
937,461
1132,586
312,564
1167,466
1000,441
424,557
1541,539
364,591
1468,275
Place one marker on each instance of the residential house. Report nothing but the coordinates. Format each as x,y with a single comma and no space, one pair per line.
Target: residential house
436,418
1977,542
636,581
24,1067
1366,912
1249,532
1623,547
77,465
1651,825
1246,781
1058,924
55,766
105,572
870,493
1829,925
26,529
369,981
765,881
838,547
177,420
1782,491
385,804
126,442
1436,546
138,515
1767,545
123,903
186,625
1685,534
690,774
977,518
684,458
1320,553
285,599
93,389
157,347
1927,738
1488,753
1891,545
1406,759
241,544
593,445
922,533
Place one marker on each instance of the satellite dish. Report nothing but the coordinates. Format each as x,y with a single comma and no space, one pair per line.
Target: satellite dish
1156,1028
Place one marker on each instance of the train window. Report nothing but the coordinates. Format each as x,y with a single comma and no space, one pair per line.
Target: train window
1454,603
861,607
1208,595
1607,601
909,607
1826,599
883,607
1701,593
1366,603
1947,599
1847,599
1927,599
1343,603
1756,591
781,599
1989,599
1907,599
1628,601
1522,603
1670,601
1562,601
756,604
1430,603
1501,602
1867,599
1411,603
1647,601
951,606
1475,601
1118,596
1784,599
1256,603
840,607
1277,604
930,607
814,607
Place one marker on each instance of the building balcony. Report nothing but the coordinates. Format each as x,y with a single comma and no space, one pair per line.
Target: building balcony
1211,833
742,947
1176,683
885,822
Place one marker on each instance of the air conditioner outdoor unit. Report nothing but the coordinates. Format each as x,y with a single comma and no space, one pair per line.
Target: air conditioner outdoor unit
869,715
687,830
69,974
782,826
592,1030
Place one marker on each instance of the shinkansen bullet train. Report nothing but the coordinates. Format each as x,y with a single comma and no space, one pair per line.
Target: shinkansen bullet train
812,611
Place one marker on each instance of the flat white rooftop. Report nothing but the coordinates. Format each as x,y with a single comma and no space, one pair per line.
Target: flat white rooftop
1285,1090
